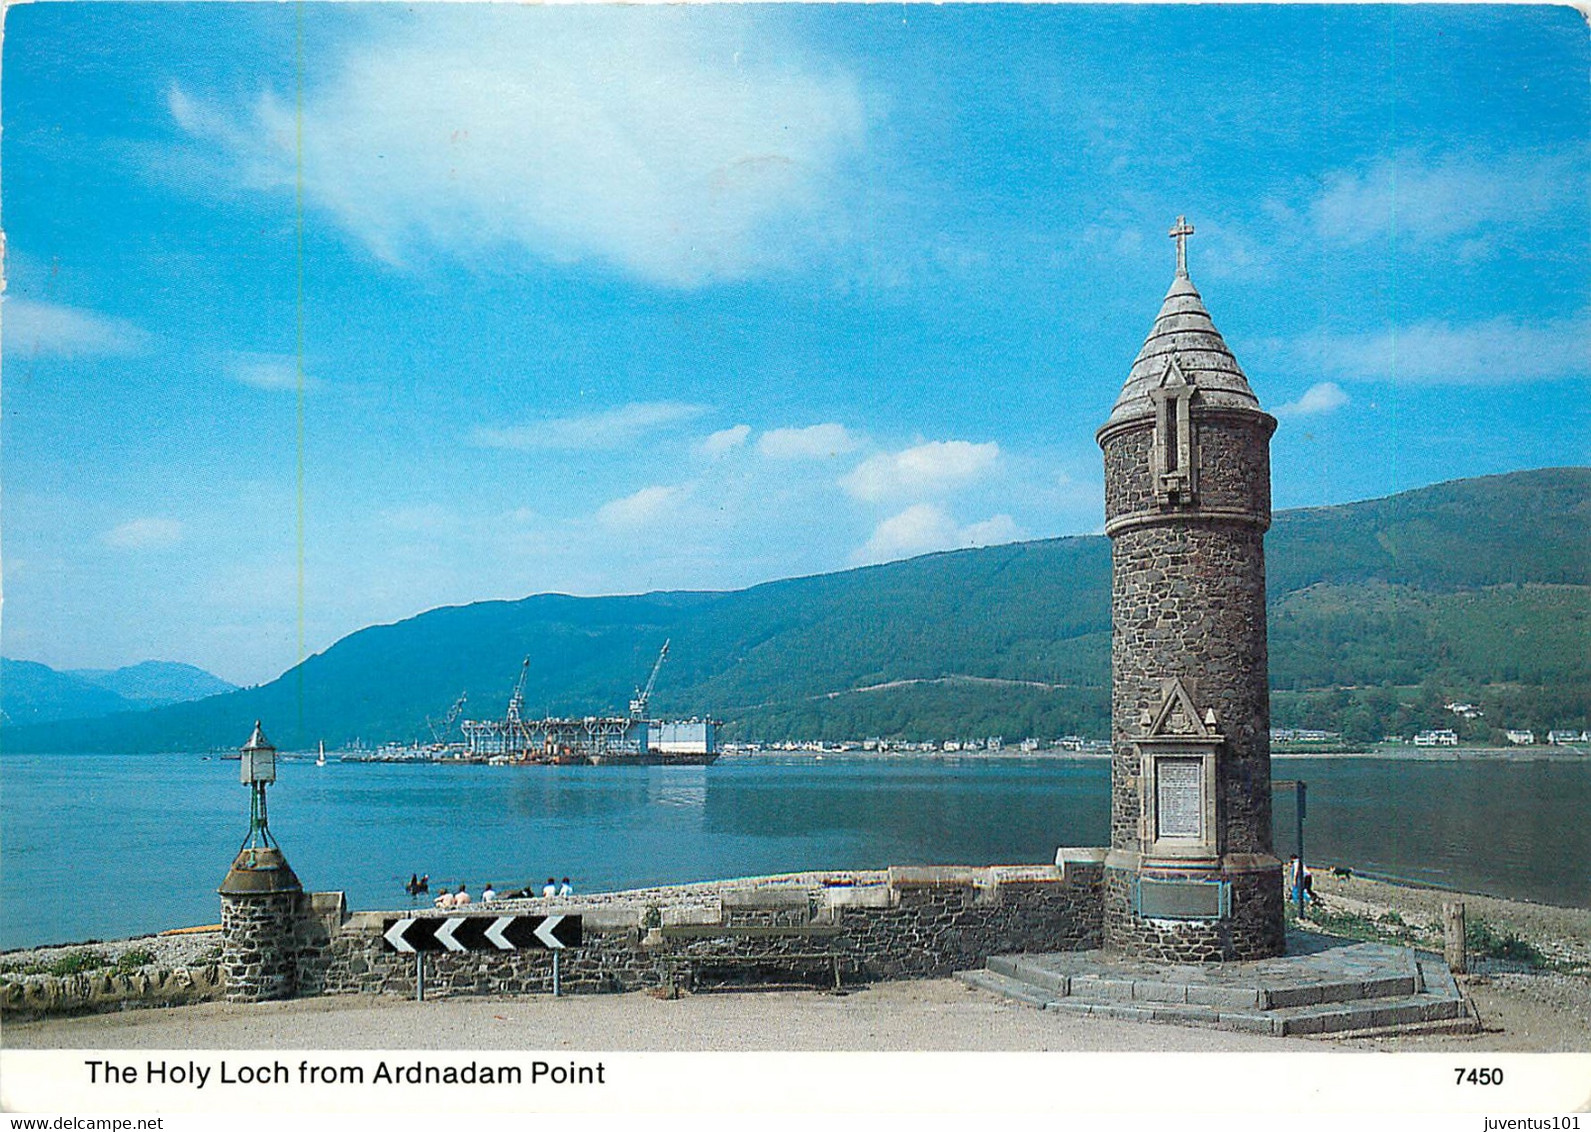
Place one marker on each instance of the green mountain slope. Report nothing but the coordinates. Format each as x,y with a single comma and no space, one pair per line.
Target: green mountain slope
1476,582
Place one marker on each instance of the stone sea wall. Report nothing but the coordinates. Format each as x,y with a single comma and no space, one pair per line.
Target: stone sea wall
903,923
809,927
94,992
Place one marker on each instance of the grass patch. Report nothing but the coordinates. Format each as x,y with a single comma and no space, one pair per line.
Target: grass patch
81,961
1387,928
76,962
134,958
12,967
1482,939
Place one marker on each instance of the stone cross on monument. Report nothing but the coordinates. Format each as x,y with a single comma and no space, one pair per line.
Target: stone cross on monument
1180,231
1190,874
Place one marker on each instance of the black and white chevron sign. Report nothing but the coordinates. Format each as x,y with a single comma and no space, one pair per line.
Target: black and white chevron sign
480,933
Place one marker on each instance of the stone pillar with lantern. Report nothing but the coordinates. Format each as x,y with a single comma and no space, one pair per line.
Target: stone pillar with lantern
261,898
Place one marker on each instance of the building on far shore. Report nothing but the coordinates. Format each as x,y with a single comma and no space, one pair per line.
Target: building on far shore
1439,737
1521,738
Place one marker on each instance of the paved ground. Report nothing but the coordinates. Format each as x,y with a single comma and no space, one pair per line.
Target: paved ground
938,1014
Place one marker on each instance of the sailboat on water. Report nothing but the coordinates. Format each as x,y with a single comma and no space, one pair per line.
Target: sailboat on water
321,761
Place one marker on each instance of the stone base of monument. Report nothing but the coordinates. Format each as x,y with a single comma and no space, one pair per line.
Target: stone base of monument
1323,987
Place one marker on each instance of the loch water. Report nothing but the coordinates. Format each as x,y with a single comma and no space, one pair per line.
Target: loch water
107,846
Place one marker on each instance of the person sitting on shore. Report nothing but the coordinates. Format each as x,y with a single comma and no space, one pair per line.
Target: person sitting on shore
550,889
444,899
488,894
566,889
461,897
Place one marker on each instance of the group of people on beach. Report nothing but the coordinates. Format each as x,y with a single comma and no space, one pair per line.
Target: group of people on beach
459,899
420,885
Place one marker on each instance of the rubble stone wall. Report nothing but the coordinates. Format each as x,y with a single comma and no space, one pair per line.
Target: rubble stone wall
916,923
97,992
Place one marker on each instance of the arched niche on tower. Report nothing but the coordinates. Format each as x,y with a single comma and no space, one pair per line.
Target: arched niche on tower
1175,453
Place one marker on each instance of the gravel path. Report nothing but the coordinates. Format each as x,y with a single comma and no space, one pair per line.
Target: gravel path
936,1014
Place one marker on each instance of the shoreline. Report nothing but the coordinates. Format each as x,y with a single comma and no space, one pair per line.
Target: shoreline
1403,753
1564,929
1524,1008
1445,754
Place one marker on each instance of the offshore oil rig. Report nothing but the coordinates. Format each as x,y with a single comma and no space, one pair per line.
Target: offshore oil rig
631,739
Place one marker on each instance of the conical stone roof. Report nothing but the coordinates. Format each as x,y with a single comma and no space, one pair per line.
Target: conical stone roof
1183,329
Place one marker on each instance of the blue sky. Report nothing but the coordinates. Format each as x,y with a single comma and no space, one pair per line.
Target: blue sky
488,301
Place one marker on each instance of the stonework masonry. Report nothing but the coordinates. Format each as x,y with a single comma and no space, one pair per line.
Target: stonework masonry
1191,874
257,953
98,992
903,923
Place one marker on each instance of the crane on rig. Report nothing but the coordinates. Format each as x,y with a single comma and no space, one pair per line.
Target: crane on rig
438,730
516,702
644,695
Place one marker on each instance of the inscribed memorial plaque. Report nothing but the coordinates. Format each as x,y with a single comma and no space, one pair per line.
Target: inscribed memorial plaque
1179,797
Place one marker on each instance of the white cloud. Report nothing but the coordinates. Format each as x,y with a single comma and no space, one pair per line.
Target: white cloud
678,152
144,534
646,506
816,442
1495,352
1424,201
924,469
993,530
1322,397
923,527
603,431
51,330
725,439
271,372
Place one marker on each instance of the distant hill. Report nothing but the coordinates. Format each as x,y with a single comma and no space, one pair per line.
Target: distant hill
36,693
154,683
1481,586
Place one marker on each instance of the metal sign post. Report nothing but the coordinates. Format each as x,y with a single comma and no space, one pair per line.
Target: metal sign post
1300,791
419,934
1299,809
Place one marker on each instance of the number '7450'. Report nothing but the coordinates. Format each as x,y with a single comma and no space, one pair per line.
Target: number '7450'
1478,1076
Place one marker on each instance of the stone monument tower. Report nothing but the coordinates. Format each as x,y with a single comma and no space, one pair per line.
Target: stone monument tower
1190,874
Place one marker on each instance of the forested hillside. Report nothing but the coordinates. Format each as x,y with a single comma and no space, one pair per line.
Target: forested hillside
1478,588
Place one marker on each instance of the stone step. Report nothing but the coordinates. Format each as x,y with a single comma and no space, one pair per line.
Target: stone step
1023,968
1369,1014
1004,985
1181,1014
1409,993
1096,987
